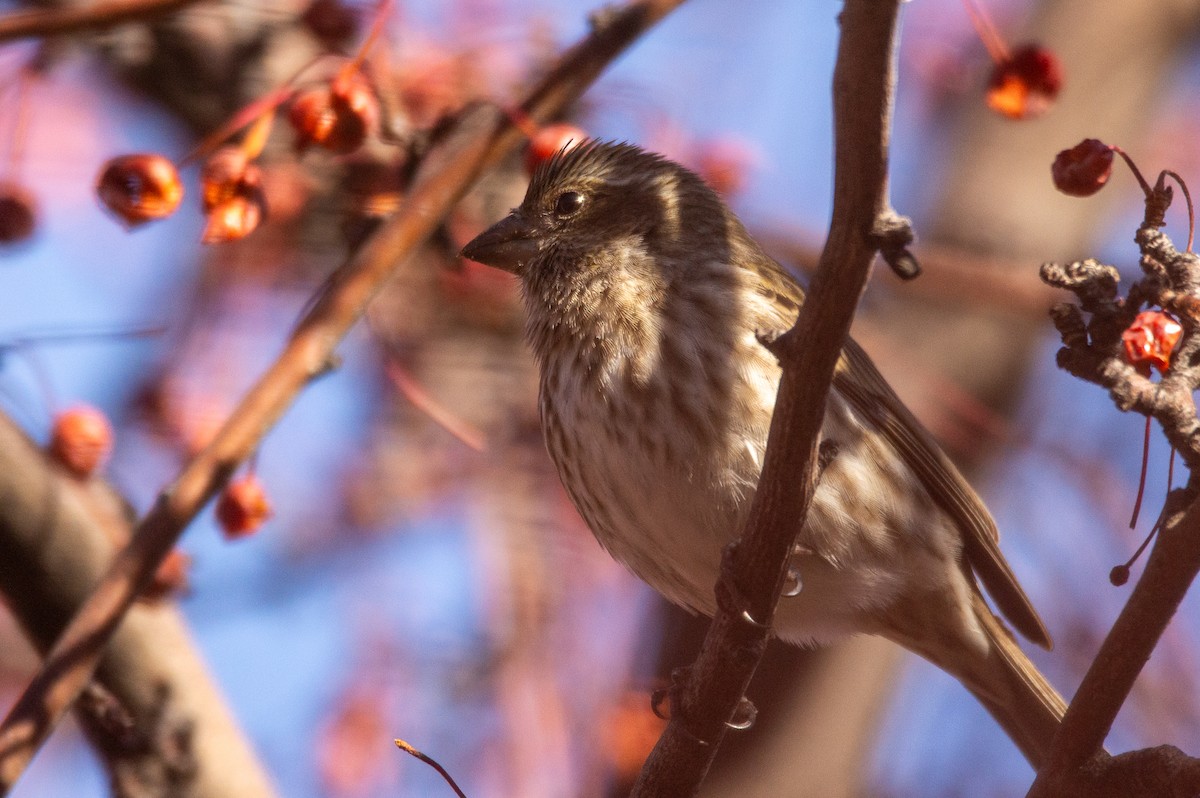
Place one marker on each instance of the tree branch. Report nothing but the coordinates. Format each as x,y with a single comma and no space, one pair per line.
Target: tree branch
70,19
1170,571
479,139
55,541
1092,350
755,568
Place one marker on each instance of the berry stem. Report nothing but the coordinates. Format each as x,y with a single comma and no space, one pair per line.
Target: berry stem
1187,196
381,15
1137,504
256,137
1133,168
988,34
263,106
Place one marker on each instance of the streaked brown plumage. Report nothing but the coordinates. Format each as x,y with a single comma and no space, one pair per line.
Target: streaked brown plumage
645,296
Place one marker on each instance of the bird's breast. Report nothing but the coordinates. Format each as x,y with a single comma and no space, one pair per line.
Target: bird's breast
660,459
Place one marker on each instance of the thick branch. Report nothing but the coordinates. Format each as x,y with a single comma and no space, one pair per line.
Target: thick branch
69,19
755,568
1170,571
55,542
479,140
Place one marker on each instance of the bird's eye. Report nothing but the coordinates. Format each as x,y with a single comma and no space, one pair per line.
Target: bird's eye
568,204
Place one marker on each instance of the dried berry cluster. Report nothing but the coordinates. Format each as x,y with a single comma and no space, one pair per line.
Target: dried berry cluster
1113,341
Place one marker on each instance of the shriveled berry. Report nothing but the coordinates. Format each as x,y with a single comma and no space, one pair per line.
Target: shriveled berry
1084,169
140,188
243,507
1150,340
548,141
1025,84
18,213
81,440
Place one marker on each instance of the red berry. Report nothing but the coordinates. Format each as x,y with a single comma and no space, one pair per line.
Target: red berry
81,440
140,188
18,213
549,141
337,117
1025,84
1150,340
243,507
233,195
226,173
1084,169
236,217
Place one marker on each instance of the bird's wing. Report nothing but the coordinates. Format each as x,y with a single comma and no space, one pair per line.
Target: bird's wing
861,384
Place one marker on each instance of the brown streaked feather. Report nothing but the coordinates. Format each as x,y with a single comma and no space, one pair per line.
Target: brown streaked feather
863,386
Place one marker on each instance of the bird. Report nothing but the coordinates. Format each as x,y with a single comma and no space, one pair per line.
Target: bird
646,301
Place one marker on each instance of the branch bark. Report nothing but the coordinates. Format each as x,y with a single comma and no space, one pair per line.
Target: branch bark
755,568
479,140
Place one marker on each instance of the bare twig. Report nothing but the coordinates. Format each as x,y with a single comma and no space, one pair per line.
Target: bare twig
69,19
754,569
464,431
433,763
479,140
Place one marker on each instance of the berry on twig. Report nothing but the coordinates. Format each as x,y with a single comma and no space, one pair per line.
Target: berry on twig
1025,82
139,188
1084,169
243,507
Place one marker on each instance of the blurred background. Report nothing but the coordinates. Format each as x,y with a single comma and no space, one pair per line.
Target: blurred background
423,576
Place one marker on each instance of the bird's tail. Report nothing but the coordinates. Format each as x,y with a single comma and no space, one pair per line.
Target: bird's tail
1001,677
1014,691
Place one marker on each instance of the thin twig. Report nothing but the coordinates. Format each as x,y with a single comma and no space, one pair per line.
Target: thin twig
755,569
415,393
479,140
69,19
433,763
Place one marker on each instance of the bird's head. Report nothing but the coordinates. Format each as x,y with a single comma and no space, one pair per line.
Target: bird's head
601,198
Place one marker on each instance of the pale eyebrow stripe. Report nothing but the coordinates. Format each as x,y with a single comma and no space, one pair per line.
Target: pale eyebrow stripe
667,185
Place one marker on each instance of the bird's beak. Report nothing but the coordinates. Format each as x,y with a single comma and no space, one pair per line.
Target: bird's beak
508,244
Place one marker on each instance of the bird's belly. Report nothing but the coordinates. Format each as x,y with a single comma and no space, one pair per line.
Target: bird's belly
668,519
